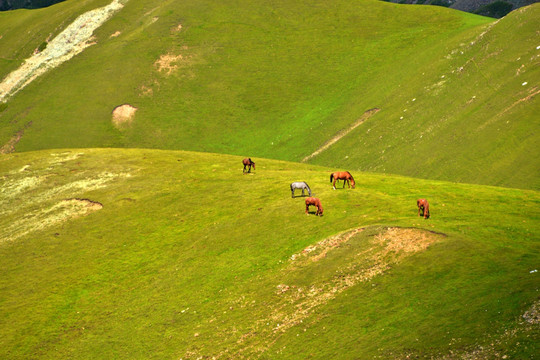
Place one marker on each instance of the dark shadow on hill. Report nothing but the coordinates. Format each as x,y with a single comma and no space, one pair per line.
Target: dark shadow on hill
491,8
26,4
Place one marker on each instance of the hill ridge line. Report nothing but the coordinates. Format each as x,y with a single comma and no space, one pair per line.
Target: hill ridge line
366,115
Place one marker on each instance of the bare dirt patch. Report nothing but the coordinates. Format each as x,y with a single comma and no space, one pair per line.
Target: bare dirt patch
70,42
295,304
46,194
177,28
532,316
168,63
388,247
41,219
342,133
123,115
9,147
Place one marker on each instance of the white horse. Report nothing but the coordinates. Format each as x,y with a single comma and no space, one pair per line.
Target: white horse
300,185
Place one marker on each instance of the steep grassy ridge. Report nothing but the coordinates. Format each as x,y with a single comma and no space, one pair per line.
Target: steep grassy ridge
279,80
470,116
161,254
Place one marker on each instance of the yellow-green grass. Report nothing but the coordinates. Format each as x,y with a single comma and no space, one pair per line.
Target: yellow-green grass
189,257
278,80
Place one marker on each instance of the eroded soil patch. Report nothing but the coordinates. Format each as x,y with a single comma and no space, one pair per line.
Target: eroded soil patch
9,147
44,218
168,63
70,42
123,115
46,194
354,256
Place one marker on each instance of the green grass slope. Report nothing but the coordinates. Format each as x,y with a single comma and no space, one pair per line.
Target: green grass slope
470,116
169,254
279,80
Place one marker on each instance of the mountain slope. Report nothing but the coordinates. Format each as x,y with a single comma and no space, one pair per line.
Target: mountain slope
281,80
470,116
172,254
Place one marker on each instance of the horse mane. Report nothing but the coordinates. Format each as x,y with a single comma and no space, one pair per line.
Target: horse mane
350,174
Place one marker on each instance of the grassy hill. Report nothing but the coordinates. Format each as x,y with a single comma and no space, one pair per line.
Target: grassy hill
128,230
168,254
279,80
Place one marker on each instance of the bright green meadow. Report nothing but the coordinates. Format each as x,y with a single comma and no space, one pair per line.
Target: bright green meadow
142,238
278,80
187,255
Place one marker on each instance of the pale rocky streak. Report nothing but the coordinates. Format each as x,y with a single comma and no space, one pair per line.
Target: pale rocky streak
70,42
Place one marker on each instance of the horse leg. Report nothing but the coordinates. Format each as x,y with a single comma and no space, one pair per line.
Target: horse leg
344,182
307,209
334,184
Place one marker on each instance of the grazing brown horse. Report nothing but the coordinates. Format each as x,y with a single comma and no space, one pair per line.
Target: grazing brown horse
248,162
423,208
315,202
342,175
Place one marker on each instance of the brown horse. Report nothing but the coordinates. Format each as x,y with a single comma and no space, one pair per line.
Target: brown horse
423,208
248,162
315,202
342,175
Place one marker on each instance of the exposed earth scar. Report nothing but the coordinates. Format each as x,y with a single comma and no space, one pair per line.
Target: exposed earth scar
9,147
297,302
342,133
70,42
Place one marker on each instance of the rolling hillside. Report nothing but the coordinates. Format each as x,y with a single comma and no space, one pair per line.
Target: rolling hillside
129,231
170,254
280,80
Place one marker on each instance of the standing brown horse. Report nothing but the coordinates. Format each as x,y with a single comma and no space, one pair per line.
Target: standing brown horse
342,175
423,208
315,202
248,162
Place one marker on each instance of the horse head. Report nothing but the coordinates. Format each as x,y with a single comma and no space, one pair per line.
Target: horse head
353,183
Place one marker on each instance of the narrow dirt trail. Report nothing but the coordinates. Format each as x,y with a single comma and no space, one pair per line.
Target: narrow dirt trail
343,133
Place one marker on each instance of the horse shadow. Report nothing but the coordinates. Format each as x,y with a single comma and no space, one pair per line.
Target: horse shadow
303,196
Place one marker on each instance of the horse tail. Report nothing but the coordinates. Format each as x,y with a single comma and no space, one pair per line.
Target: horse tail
331,177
